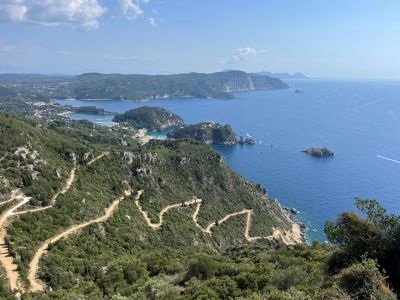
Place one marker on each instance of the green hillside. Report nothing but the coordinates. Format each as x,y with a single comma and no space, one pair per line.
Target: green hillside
139,87
215,234
206,132
150,118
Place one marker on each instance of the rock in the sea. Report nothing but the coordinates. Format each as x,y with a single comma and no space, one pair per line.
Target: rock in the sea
319,152
247,141
294,211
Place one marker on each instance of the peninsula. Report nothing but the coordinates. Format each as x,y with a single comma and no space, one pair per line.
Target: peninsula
210,133
137,86
149,118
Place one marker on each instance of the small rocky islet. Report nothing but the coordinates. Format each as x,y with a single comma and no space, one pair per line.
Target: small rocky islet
319,152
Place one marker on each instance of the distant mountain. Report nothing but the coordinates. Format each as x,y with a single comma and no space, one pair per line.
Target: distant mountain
284,75
143,87
32,78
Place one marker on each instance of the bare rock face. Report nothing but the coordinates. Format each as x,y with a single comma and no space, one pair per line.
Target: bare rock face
147,157
319,152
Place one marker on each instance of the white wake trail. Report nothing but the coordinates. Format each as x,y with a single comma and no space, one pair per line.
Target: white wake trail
389,159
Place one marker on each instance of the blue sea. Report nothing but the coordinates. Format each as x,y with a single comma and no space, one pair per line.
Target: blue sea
358,120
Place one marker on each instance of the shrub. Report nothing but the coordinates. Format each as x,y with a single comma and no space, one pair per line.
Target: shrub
202,267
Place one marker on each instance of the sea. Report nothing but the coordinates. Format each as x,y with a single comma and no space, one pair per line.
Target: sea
357,119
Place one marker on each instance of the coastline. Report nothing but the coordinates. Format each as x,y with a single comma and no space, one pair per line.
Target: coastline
298,233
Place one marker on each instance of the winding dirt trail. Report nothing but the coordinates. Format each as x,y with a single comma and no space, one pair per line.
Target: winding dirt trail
67,185
6,259
13,195
288,237
98,157
35,284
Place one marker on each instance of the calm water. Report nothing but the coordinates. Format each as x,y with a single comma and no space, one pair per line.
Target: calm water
358,120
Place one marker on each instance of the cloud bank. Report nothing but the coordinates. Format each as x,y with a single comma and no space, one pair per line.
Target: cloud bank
81,14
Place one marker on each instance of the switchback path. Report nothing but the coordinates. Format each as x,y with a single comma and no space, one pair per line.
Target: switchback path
288,237
65,188
35,284
67,185
14,194
6,259
98,157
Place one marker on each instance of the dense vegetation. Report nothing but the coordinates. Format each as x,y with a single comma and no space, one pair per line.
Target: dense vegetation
150,118
167,271
139,87
376,236
206,132
124,259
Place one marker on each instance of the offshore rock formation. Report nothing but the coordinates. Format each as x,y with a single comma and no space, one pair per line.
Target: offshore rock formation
319,152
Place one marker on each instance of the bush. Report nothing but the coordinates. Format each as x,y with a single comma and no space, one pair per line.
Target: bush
363,281
157,289
196,289
202,267
289,278
225,287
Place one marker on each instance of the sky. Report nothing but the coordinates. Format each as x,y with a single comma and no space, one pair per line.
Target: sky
333,39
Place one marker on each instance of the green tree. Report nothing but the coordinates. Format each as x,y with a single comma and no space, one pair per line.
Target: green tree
363,281
376,235
158,289
202,267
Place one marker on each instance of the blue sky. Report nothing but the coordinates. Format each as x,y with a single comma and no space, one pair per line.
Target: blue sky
338,39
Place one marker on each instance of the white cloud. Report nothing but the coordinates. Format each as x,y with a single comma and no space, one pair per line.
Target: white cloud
242,53
129,9
82,14
152,22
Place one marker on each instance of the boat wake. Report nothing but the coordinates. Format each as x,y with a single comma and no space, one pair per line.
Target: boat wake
389,159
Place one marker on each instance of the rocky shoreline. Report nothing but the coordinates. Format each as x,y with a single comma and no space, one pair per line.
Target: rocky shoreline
299,229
